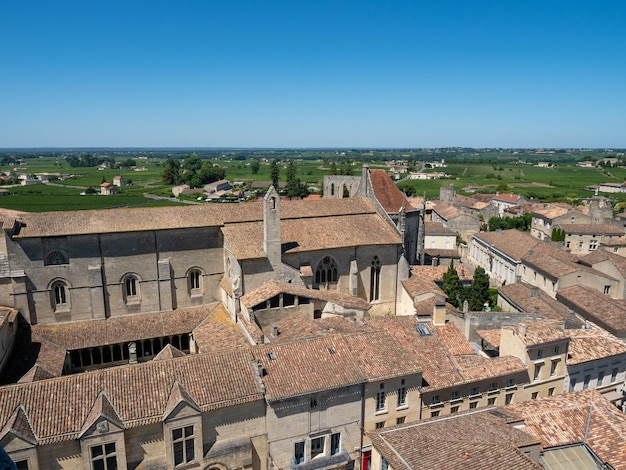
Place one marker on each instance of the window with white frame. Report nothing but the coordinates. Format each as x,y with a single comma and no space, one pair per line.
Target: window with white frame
103,457
607,290
402,395
537,371
335,443
183,445
317,446
553,367
380,400
298,452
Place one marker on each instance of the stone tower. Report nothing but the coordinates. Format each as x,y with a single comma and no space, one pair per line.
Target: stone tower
271,227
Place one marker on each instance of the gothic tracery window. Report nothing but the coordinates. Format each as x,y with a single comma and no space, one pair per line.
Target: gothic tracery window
326,271
56,257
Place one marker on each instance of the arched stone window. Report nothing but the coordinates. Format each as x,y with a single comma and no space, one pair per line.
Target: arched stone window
194,278
56,257
60,295
332,189
130,285
326,271
375,279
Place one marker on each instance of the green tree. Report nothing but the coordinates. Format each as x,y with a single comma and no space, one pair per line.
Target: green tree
333,168
192,163
255,166
557,235
274,173
452,285
171,172
479,290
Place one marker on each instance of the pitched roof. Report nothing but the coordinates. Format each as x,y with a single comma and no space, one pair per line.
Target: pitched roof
387,193
168,352
417,285
589,344
178,394
540,331
36,373
50,224
101,408
380,357
596,306
478,439
533,300
19,425
595,257
273,288
562,420
307,366
245,239
115,330
446,357
139,392
513,243
218,332
437,228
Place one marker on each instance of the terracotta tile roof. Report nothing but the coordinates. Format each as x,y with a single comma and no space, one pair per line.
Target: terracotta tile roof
417,285
437,228
101,408
380,357
554,263
425,307
168,352
139,393
493,337
178,394
541,331
589,344
446,357
435,273
272,288
598,256
551,211
36,373
245,239
614,241
510,198
442,253
562,420
478,439
299,326
251,329
218,332
114,330
596,306
387,193
49,224
19,425
445,210
521,296
329,365
513,243
592,229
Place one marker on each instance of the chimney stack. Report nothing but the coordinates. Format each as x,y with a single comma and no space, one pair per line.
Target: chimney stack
439,314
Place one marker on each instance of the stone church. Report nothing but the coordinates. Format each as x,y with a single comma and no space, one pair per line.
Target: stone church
101,293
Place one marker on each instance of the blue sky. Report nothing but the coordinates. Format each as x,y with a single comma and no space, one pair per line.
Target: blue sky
438,73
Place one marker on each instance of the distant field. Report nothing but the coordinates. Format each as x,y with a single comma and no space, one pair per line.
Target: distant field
564,181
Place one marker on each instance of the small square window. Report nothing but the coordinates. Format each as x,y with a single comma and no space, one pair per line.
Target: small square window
401,420
491,401
454,409
551,391
534,395
508,398
380,425
434,414
473,404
